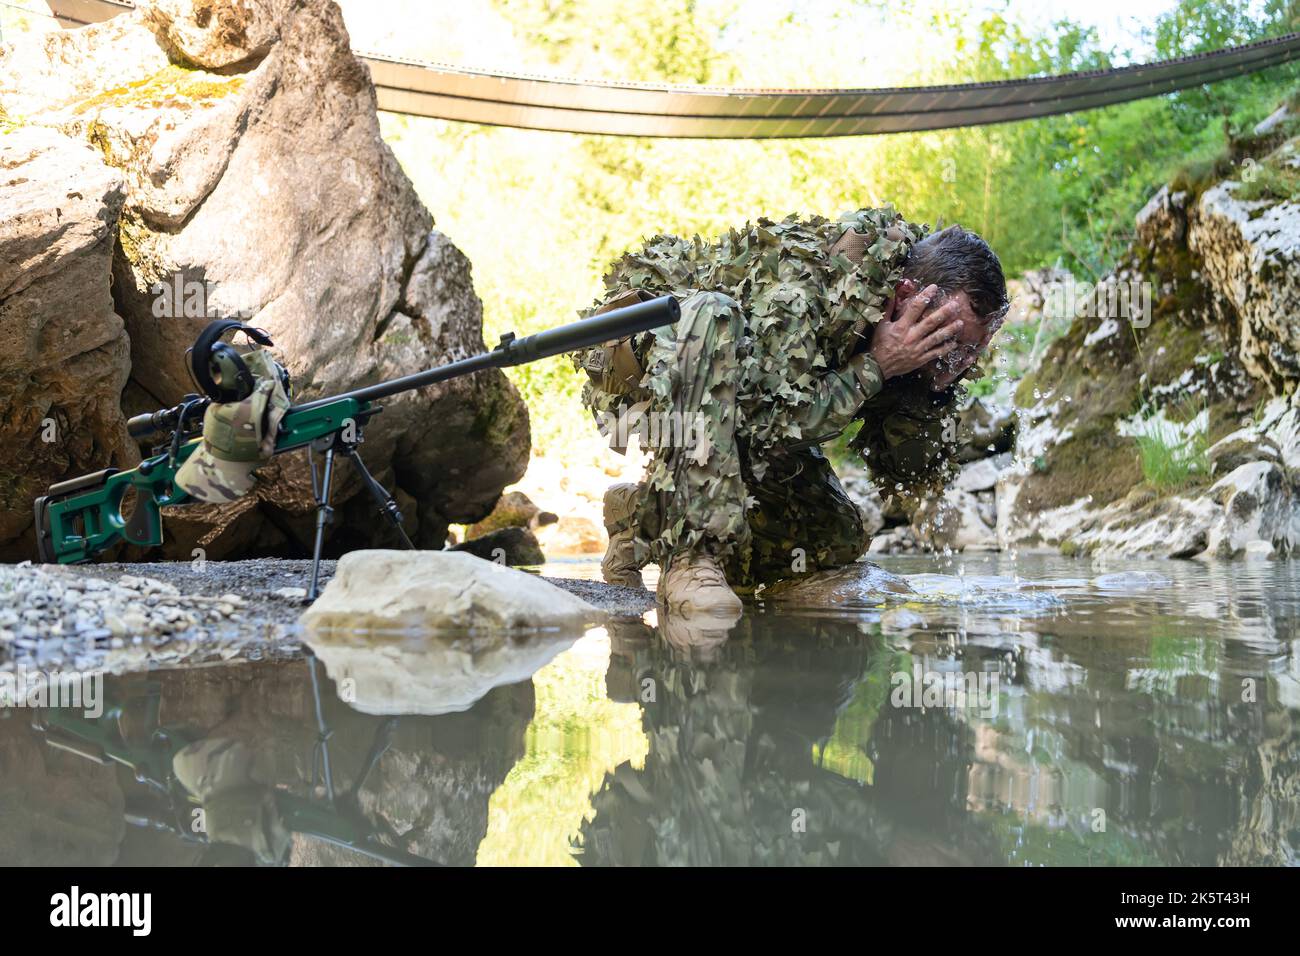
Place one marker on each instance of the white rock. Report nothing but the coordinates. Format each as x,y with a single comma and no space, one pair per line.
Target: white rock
954,522
1163,218
1258,505
1259,550
1251,254
1281,425
1271,121
896,540
1254,502
1105,330
382,589
982,475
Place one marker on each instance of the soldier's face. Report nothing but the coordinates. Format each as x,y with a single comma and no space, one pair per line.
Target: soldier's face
971,342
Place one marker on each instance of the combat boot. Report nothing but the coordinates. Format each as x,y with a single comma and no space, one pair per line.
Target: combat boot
619,564
693,583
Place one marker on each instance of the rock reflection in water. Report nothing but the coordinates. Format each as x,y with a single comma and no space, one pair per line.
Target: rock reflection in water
69,793
411,673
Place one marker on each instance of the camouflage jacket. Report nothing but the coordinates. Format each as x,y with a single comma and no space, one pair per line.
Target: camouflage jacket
807,313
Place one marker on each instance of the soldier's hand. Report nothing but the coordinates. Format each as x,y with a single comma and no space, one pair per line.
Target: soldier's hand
914,338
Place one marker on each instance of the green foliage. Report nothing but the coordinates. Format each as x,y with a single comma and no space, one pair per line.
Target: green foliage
1169,465
1273,182
1171,458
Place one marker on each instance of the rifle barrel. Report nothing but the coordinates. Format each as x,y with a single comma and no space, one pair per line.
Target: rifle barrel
582,334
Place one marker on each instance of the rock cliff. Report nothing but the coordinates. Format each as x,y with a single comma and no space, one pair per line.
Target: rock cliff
1165,421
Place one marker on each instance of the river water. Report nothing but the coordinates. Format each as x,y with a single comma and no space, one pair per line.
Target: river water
1031,712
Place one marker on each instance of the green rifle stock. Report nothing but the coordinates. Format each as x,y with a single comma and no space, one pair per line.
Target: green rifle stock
79,518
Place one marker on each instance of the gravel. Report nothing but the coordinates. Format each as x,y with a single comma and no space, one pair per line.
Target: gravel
122,616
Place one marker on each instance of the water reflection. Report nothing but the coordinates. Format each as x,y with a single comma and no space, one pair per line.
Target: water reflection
1003,713
252,763
405,673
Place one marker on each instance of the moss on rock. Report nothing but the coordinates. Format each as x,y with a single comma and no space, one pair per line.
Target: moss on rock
174,86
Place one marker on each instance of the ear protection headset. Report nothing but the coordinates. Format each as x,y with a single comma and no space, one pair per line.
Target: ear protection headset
218,369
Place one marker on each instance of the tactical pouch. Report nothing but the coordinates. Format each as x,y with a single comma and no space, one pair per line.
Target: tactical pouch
852,244
238,437
613,366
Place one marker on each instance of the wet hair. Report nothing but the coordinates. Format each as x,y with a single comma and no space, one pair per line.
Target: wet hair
960,261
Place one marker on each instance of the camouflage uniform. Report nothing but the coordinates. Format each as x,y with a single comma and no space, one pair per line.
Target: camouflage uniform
755,376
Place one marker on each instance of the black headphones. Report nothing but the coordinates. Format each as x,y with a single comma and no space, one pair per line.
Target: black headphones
217,367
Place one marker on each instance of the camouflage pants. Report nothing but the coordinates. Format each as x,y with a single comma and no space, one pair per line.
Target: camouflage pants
765,512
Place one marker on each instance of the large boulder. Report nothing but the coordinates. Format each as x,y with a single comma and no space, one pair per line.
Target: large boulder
257,184
63,349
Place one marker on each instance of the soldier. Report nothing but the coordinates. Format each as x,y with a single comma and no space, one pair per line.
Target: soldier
789,331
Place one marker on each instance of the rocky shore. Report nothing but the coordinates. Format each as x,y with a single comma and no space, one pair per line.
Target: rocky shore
120,617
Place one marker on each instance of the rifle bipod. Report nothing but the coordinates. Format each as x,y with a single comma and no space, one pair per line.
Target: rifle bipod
331,444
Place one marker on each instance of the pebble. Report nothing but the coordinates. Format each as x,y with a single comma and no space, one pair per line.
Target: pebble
47,621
